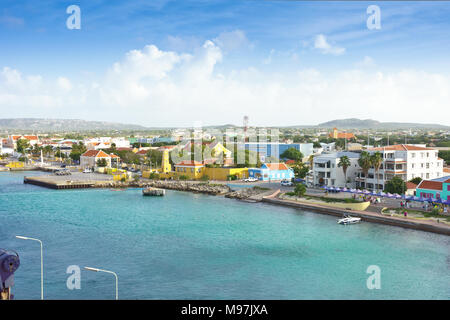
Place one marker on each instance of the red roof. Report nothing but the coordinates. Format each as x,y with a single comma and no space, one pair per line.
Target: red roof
410,185
142,152
95,154
276,166
400,147
15,137
447,169
430,185
290,162
31,137
191,163
112,155
124,149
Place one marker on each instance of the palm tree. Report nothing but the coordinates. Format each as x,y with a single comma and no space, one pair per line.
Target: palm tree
311,161
376,160
344,162
365,163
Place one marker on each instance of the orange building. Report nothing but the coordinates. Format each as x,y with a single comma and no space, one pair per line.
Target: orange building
341,135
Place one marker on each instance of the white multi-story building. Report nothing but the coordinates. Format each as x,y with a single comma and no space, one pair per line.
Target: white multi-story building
326,170
405,161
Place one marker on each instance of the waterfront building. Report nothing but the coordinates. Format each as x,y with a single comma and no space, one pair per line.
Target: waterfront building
410,188
271,171
326,170
89,158
226,173
189,168
436,189
405,161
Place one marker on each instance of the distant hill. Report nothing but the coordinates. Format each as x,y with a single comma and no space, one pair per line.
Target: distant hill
372,124
63,125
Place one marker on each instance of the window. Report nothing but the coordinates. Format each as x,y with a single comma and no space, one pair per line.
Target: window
413,155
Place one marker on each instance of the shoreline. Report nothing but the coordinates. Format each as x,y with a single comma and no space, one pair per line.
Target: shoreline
266,196
426,226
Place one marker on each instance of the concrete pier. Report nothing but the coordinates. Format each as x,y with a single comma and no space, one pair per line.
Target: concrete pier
68,184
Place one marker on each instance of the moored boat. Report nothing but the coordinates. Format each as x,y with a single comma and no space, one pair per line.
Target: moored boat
149,191
349,220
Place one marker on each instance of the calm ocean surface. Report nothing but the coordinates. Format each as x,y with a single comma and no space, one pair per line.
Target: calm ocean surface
189,246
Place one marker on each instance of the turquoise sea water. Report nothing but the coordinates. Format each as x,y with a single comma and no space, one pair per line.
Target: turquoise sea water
190,246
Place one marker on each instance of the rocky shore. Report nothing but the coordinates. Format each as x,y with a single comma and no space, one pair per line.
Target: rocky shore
254,194
191,186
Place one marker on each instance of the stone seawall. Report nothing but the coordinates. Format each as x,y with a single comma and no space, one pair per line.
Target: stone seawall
191,186
428,226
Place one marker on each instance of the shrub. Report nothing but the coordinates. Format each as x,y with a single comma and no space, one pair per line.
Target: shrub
204,178
300,190
154,176
183,177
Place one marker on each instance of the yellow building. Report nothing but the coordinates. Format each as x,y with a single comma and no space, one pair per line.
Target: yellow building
189,168
15,164
224,172
166,166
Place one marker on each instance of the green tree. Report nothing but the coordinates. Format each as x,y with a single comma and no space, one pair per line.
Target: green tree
365,163
300,190
154,157
77,150
416,180
376,160
48,150
395,185
23,145
445,154
300,170
292,154
344,163
102,162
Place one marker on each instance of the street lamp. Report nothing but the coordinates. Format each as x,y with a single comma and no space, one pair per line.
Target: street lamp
42,262
107,271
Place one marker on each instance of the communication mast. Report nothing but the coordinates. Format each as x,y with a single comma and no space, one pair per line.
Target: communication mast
245,124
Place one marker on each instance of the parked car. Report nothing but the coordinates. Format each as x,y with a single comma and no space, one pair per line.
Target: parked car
87,170
250,179
63,172
286,183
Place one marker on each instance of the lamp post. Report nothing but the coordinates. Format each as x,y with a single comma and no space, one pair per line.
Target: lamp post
107,271
42,262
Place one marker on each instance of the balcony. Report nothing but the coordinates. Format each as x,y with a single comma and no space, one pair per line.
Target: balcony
395,160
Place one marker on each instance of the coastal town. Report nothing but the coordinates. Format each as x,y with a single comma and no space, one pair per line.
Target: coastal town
355,169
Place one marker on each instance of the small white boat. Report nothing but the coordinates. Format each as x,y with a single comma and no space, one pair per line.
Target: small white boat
349,220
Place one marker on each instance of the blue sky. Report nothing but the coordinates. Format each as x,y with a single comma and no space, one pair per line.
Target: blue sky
270,56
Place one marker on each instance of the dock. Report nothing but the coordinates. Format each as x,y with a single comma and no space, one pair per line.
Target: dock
76,180
52,184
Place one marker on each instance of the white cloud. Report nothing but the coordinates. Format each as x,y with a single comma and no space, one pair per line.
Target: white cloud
164,88
229,41
321,43
64,83
367,62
